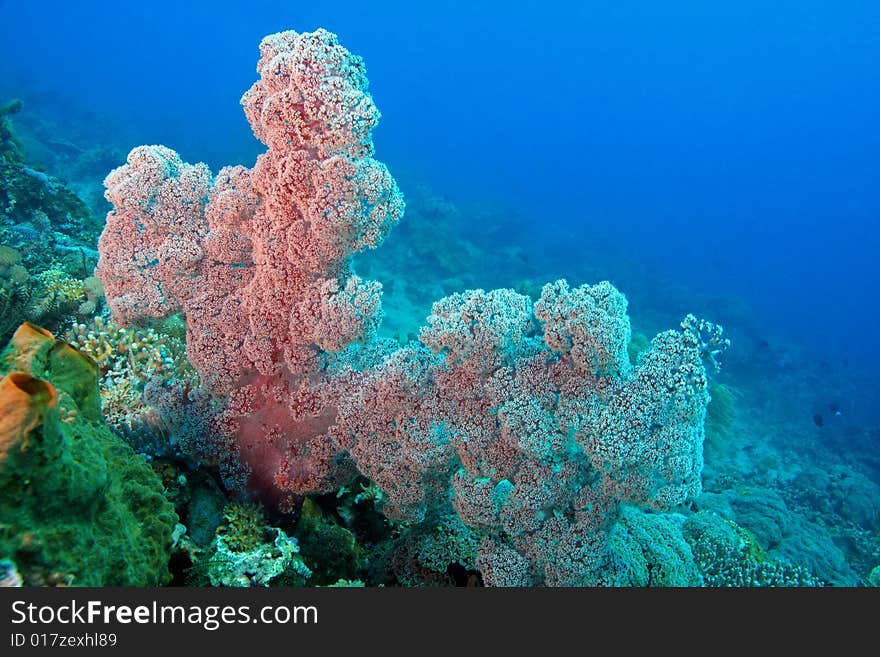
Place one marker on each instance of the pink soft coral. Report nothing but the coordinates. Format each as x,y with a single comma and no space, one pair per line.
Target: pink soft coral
259,259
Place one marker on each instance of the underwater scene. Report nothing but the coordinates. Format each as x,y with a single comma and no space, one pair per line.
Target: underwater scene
456,294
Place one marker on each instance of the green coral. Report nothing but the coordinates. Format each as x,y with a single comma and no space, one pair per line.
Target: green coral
245,526
329,550
648,549
78,506
276,562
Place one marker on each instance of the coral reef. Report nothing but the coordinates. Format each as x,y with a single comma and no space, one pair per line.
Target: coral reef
259,260
729,555
648,549
78,143
129,360
535,404
329,550
26,190
435,552
47,238
78,506
49,297
521,436
551,428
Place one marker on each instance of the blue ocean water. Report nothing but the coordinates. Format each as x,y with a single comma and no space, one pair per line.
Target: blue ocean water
732,146
720,158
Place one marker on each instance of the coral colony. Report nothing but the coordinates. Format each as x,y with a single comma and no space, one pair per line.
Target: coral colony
528,419
520,437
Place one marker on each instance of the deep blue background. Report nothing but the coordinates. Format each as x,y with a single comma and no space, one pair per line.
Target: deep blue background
732,145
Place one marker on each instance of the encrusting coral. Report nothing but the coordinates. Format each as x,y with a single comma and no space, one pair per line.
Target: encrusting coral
525,418
78,506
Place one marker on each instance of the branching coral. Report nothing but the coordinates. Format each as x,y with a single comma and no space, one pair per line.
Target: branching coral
123,352
55,294
728,555
46,298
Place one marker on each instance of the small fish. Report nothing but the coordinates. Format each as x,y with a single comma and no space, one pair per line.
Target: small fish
818,420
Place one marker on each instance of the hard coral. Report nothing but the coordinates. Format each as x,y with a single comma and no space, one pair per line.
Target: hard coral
244,526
